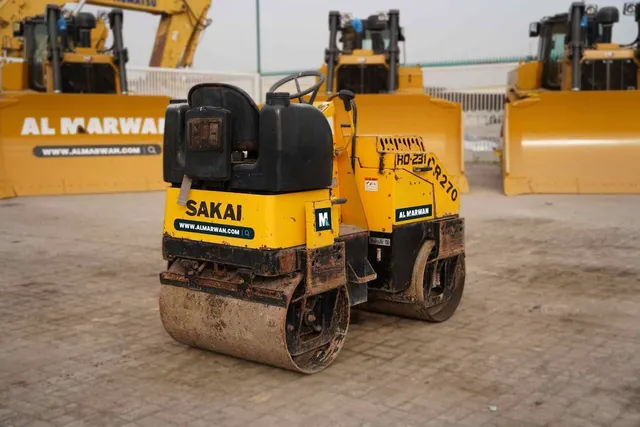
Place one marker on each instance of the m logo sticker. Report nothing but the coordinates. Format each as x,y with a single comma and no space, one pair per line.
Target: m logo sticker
323,219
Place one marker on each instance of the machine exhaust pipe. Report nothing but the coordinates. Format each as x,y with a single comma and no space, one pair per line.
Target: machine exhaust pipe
53,14
605,19
394,29
332,52
577,43
79,7
119,51
637,19
607,33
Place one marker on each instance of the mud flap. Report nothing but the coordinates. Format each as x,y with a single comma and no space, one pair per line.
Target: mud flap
439,122
572,143
80,144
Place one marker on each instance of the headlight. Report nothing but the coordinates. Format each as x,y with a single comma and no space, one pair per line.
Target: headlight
346,19
629,9
591,9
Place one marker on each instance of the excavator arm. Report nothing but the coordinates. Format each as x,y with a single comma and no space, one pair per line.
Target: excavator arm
177,36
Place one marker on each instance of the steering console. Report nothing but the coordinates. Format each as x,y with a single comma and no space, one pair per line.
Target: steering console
313,90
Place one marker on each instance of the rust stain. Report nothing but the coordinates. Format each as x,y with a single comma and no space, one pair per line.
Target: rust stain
245,145
288,261
204,134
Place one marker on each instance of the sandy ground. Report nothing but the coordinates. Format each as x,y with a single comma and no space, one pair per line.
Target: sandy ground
547,334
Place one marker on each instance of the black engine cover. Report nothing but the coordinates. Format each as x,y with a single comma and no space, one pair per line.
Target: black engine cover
220,139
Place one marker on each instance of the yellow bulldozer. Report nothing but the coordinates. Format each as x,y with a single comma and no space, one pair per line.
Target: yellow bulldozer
280,219
68,123
391,96
568,125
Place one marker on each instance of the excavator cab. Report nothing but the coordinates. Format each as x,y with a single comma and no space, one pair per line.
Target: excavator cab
572,110
363,58
60,57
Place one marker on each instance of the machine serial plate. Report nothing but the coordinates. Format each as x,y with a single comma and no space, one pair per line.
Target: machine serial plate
380,241
204,134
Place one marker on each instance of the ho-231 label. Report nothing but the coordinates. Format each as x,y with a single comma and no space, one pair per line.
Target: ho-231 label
417,159
411,159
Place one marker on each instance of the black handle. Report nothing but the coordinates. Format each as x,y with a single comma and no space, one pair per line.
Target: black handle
422,168
339,201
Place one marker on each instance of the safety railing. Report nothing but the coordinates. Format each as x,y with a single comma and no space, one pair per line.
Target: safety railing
480,88
177,82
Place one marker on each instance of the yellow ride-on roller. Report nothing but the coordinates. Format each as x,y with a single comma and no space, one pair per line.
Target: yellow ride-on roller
280,219
391,95
570,116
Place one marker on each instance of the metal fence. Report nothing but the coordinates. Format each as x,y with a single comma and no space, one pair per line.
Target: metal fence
177,82
478,87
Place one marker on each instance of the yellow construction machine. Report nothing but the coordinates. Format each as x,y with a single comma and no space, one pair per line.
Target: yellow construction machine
68,123
569,122
279,219
391,96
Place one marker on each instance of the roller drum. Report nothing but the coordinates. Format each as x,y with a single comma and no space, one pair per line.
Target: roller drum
256,331
434,294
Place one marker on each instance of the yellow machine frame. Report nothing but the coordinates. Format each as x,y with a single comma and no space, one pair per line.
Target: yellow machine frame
569,124
387,195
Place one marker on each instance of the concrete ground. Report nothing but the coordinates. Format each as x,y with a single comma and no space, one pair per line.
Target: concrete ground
547,334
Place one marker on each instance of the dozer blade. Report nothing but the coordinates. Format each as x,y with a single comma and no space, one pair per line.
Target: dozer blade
439,122
572,143
72,144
